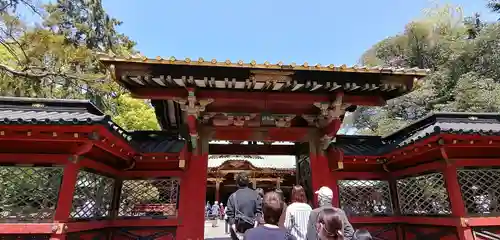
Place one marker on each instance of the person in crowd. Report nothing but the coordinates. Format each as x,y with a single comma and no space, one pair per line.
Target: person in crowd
221,211
260,191
362,234
282,218
297,213
226,221
244,207
329,225
272,208
325,195
215,214
208,208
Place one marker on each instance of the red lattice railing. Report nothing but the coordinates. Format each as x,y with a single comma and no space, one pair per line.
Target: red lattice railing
480,191
365,197
29,193
152,197
93,196
423,195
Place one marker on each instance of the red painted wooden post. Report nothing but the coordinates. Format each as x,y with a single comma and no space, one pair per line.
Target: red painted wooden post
64,203
320,172
465,233
65,200
217,189
335,188
192,196
456,201
453,188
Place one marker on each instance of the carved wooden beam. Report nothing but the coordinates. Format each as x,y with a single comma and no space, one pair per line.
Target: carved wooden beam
329,119
193,107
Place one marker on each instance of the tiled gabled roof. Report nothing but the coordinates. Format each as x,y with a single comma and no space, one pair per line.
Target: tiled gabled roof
49,111
42,111
452,123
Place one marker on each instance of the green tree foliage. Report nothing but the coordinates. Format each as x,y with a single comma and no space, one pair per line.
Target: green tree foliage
464,56
58,58
494,5
134,114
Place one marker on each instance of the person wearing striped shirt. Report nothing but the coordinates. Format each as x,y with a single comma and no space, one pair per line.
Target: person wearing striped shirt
297,214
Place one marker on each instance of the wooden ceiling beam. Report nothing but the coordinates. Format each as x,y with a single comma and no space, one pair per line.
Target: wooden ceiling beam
229,97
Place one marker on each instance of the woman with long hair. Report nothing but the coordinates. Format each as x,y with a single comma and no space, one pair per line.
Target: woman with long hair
329,225
297,213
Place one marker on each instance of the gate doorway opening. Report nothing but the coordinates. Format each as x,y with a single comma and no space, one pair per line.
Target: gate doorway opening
268,172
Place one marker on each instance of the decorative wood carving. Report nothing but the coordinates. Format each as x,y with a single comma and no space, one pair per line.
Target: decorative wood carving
193,106
283,120
227,119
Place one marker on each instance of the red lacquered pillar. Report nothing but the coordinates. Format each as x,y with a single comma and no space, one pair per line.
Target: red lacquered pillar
192,195
65,200
320,171
456,201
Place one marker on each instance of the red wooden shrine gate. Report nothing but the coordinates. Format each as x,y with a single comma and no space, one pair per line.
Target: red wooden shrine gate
67,171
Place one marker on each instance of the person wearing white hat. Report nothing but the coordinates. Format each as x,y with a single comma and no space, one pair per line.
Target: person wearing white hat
325,195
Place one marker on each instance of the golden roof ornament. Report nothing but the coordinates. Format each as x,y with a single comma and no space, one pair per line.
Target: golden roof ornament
240,62
188,60
293,64
172,59
253,63
305,64
266,63
214,61
331,66
200,60
318,65
228,61
159,58
280,63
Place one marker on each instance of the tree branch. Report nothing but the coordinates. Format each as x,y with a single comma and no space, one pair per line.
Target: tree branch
29,74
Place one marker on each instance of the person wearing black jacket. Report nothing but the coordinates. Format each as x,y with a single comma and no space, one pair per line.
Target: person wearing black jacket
244,207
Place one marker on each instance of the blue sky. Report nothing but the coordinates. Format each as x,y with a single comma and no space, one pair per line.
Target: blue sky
318,31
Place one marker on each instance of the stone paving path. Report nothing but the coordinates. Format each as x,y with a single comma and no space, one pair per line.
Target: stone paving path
215,233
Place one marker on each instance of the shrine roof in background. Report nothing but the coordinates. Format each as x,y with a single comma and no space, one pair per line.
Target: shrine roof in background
256,161
484,124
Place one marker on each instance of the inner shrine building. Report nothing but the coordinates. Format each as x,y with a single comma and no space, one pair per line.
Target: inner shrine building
266,172
67,171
